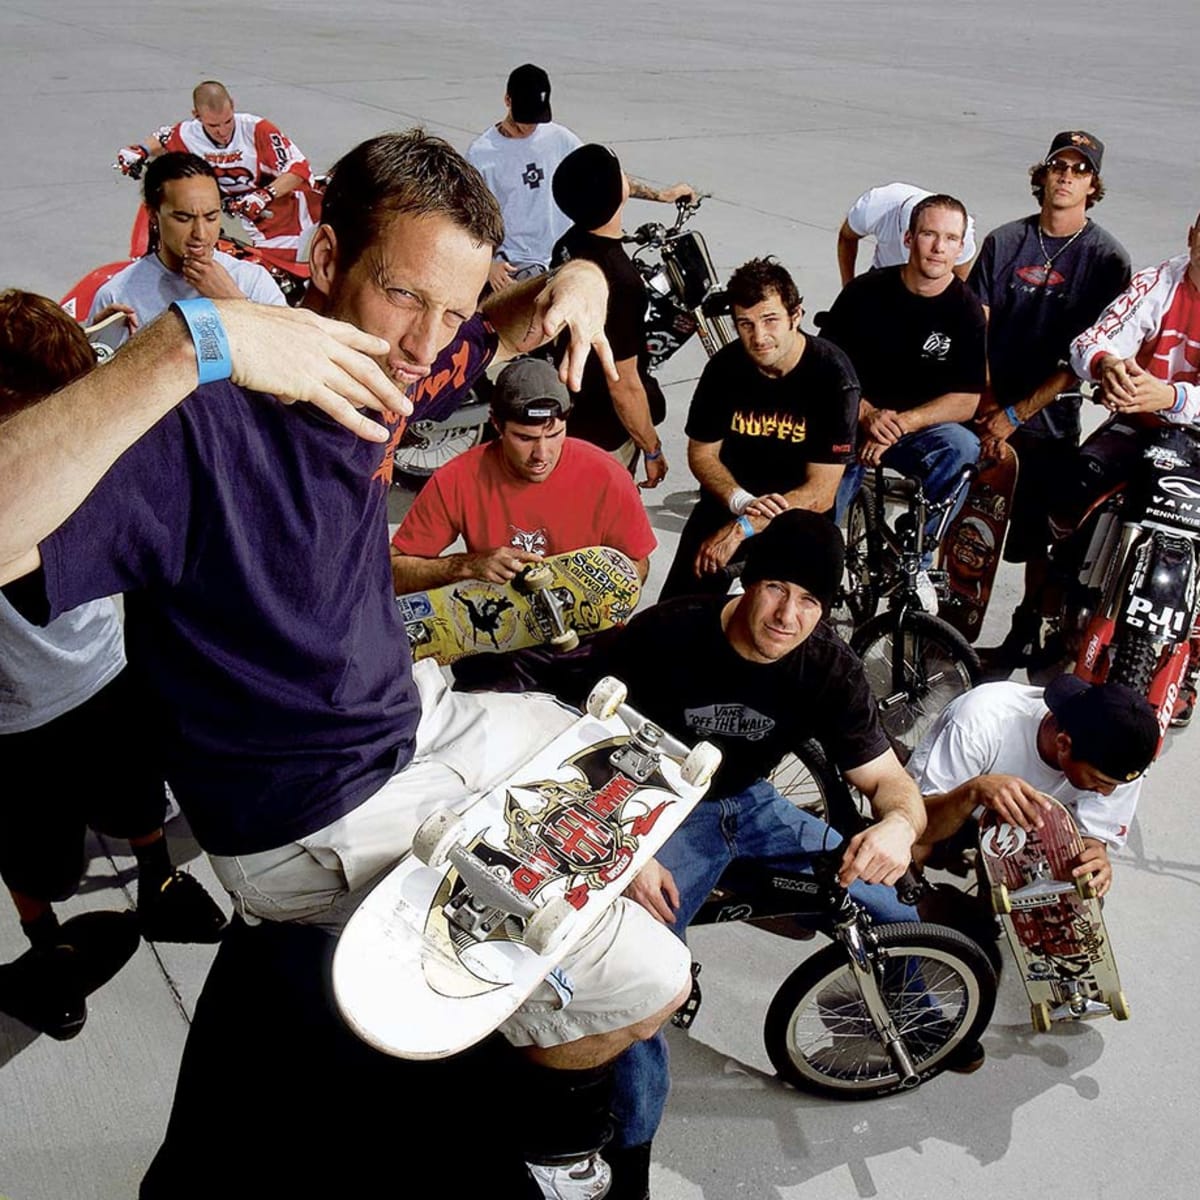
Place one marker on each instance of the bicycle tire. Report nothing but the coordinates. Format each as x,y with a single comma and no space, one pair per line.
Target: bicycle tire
807,779
939,666
821,1039
860,593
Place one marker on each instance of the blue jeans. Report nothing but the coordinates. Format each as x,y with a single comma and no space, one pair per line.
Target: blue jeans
934,455
755,824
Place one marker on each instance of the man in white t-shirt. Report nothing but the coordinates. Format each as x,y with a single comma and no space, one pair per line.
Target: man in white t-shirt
883,213
1002,745
517,158
184,202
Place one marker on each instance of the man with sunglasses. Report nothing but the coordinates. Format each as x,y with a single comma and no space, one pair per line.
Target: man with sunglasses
1042,280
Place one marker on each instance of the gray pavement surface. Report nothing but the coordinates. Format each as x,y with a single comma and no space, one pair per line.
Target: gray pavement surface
784,112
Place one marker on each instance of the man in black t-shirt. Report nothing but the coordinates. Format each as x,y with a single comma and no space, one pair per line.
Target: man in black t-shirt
771,427
915,335
756,674
1042,280
618,415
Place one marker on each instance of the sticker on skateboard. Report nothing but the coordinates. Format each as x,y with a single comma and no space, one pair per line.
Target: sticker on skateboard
1053,920
460,933
553,602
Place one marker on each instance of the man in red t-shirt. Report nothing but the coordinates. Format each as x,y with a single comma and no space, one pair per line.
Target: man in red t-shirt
531,493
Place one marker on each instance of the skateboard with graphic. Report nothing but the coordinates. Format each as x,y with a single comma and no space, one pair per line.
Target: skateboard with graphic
553,602
490,901
1054,922
972,545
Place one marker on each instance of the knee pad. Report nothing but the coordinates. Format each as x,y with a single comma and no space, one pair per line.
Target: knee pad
573,1111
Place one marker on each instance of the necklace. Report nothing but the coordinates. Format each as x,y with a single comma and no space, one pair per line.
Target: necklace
1061,250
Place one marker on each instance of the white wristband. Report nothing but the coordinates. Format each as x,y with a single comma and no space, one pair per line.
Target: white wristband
740,501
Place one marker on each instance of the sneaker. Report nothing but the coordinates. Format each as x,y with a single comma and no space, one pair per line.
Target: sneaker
926,592
584,1179
42,988
180,911
1184,707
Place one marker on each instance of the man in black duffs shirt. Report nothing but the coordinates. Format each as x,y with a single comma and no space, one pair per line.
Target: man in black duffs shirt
771,427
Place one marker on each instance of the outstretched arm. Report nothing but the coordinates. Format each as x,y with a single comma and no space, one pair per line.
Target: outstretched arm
74,436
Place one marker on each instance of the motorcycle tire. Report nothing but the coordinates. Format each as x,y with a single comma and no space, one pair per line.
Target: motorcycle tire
416,459
939,665
821,1039
1135,662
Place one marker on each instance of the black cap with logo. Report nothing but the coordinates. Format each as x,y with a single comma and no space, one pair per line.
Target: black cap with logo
1111,727
1092,148
798,546
529,95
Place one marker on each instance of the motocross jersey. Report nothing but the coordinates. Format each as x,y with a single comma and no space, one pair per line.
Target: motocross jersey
1155,321
257,153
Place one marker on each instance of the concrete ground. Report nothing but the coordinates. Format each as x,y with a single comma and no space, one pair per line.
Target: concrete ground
784,112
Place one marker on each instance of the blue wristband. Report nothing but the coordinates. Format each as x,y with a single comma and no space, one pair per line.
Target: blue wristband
744,525
213,360
1180,398
1011,414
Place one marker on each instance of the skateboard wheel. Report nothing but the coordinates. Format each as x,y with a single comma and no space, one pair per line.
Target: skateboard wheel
606,697
548,926
1085,887
1039,1015
536,578
436,836
564,642
1001,901
1119,1006
701,764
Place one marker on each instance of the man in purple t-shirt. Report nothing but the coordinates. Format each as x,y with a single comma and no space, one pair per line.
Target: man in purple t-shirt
250,539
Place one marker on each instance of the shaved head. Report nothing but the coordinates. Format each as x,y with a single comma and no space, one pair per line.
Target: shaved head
210,96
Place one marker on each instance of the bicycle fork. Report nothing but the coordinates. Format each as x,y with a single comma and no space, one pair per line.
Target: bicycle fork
850,935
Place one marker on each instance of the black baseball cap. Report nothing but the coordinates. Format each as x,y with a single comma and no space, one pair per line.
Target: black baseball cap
798,546
529,95
528,391
1092,149
1111,727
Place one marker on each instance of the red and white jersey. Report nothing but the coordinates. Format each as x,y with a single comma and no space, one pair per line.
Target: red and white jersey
1155,321
257,153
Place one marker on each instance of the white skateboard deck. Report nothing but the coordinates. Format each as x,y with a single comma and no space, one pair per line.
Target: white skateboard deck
570,825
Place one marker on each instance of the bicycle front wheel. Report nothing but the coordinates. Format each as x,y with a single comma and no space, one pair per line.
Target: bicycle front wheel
915,665
939,990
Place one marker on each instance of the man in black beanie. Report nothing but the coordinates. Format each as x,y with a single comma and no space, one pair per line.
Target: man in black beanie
757,674
617,415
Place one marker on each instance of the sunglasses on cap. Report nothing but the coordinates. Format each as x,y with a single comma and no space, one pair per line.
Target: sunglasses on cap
1082,167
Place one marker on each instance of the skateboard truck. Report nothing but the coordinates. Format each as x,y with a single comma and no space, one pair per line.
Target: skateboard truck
536,581
639,757
487,899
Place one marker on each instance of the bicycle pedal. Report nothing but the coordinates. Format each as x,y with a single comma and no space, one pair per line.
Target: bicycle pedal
685,1014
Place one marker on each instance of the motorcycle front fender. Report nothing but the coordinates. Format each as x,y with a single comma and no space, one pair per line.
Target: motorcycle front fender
1160,596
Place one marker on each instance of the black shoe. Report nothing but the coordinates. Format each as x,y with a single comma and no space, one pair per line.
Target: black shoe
42,988
180,911
1021,646
967,1059
630,1171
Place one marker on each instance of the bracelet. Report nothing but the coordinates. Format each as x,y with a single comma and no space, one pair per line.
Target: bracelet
1180,398
1011,413
144,149
653,455
739,500
743,523
213,361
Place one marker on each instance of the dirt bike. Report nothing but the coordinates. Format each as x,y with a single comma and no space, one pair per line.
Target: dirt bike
684,299
1131,605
